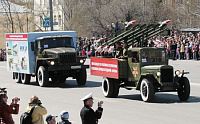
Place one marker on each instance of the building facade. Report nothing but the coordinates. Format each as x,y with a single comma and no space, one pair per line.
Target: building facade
42,14
14,18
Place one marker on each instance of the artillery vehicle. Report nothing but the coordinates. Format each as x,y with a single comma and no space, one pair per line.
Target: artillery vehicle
145,69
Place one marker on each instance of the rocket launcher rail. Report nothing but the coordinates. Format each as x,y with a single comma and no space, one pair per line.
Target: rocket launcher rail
138,34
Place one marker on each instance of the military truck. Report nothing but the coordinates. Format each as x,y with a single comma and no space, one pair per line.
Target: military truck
145,69
45,55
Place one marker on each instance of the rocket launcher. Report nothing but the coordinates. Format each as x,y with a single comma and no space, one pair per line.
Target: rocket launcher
138,34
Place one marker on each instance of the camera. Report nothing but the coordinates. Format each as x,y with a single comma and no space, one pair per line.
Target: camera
39,103
16,98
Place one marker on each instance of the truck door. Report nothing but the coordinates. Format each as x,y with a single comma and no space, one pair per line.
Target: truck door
133,66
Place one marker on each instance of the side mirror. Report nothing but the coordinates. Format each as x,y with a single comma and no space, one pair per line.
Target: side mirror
41,49
32,45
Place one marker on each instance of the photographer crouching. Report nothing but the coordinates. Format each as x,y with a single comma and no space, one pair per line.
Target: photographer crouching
6,110
38,110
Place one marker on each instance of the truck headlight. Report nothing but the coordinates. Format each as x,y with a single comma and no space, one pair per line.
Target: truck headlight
158,74
52,63
81,61
177,72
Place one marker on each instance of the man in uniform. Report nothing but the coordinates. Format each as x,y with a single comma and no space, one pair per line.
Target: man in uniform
119,50
125,50
88,115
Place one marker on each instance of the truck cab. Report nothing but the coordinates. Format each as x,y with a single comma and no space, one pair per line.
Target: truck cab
57,54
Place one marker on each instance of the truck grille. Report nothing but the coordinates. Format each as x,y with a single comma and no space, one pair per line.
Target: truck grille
167,75
68,58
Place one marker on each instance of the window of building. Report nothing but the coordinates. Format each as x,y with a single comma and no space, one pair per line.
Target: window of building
59,20
40,2
6,24
54,19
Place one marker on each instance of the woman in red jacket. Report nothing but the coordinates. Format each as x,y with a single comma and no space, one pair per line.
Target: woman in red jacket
6,110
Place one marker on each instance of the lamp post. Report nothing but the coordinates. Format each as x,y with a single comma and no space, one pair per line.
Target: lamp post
51,14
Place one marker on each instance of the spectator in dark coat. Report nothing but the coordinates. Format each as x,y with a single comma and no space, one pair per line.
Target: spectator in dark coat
173,50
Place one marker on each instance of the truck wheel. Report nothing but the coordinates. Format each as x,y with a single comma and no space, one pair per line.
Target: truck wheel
184,90
110,87
26,78
146,90
81,77
17,77
43,76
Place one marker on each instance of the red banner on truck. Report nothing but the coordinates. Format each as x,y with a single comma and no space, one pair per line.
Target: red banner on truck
105,67
16,37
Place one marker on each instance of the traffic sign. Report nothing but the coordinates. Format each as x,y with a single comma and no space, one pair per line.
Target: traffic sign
55,23
46,22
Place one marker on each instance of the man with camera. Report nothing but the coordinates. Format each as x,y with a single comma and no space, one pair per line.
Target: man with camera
5,109
39,110
88,115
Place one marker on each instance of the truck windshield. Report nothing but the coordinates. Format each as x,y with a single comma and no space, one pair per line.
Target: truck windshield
57,42
153,56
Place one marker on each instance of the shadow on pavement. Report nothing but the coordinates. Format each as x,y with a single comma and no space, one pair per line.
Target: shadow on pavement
162,98
69,84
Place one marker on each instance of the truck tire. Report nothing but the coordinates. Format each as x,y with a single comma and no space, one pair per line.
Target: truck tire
17,77
81,77
26,78
110,87
146,90
184,90
43,76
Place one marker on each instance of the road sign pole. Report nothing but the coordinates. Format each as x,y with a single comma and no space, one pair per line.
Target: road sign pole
51,15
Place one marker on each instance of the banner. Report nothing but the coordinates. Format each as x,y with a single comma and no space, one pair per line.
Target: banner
105,67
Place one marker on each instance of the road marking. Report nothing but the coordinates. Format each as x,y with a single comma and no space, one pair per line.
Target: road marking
195,84
3,67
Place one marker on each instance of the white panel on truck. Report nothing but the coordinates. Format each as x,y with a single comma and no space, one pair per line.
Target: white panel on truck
20,58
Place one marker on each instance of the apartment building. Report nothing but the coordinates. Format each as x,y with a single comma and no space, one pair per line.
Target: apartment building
13,19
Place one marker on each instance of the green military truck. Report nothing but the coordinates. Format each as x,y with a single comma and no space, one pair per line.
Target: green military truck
45,55
145,69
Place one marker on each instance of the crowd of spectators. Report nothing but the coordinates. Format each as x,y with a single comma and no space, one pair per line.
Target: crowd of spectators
179,46
35,105
183,46
35,111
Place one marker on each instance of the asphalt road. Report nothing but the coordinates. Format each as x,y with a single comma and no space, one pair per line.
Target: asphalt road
128,108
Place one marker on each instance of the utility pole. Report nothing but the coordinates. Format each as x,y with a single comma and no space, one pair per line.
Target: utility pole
51,14
27,16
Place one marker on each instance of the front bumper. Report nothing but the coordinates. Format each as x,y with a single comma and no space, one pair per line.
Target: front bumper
67,67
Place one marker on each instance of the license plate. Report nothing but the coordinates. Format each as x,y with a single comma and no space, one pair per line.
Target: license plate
76,67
